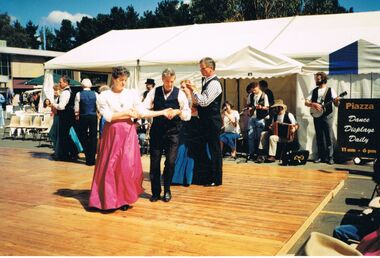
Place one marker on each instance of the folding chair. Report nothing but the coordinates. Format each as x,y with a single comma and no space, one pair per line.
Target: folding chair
14,124
35,128
25,125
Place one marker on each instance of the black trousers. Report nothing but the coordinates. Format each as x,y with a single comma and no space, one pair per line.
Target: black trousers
88,126
215,173
66,147
324,135
162,140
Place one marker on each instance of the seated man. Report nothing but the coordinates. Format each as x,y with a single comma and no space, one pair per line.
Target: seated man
280,116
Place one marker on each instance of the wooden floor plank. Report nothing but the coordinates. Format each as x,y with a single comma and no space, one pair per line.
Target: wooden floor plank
259,210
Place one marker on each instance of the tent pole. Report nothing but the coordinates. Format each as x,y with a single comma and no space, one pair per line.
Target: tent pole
238,93
225,90
371,86
350,86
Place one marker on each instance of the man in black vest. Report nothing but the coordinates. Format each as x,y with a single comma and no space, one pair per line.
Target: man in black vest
65,110
209,102
258,105
85,113
164,133
323,124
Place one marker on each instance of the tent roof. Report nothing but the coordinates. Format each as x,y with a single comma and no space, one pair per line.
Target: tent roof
40,80
359,57
114,48
318,35
295,37
250,62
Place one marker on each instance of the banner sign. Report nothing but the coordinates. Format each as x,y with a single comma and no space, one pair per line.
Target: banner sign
357,122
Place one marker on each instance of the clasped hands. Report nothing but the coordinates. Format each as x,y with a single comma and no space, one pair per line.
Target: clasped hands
170,113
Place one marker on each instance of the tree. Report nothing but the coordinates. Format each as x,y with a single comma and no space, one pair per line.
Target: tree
265,9
184,15
19,38
132,18
165,13
148,20
323,7
215,10
118,18
86,30
49,39
103,23
31,31
65,36
6,29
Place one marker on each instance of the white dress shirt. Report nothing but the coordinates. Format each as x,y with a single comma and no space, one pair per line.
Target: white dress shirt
63,99
322,93
214,89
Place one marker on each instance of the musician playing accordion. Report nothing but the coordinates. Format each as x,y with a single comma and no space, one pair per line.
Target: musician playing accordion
282,129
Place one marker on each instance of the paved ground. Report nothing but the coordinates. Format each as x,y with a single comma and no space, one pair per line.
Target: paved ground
353,197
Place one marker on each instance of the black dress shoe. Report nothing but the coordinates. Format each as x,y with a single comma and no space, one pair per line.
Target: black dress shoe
317,160
125,207
330,161
167,197
154,198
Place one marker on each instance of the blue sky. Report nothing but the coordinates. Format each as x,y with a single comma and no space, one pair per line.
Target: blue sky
51,12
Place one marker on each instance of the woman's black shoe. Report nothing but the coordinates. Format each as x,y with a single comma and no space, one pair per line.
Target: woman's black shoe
125,207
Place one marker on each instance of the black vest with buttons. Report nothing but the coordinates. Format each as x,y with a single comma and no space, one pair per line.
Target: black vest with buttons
211,113
159,103
68,112
328,97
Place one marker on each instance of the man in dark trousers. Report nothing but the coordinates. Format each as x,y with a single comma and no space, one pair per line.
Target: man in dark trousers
209,102
85,113
66,150
164,133
324,123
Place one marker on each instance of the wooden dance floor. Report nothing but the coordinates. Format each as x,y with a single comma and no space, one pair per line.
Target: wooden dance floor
259,210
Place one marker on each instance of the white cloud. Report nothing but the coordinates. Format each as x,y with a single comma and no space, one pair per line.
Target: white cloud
13,18
55,17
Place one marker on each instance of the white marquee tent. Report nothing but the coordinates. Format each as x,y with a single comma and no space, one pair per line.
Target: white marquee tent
148,51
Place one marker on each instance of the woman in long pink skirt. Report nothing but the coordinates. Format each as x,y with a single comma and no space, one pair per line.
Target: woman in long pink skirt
118,176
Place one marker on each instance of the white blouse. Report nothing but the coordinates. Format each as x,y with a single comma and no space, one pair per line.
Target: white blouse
110,102
229,127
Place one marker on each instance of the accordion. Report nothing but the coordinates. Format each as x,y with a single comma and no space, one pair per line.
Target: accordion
283,131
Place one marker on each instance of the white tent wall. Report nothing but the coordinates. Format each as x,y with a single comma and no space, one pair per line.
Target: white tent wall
357,86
